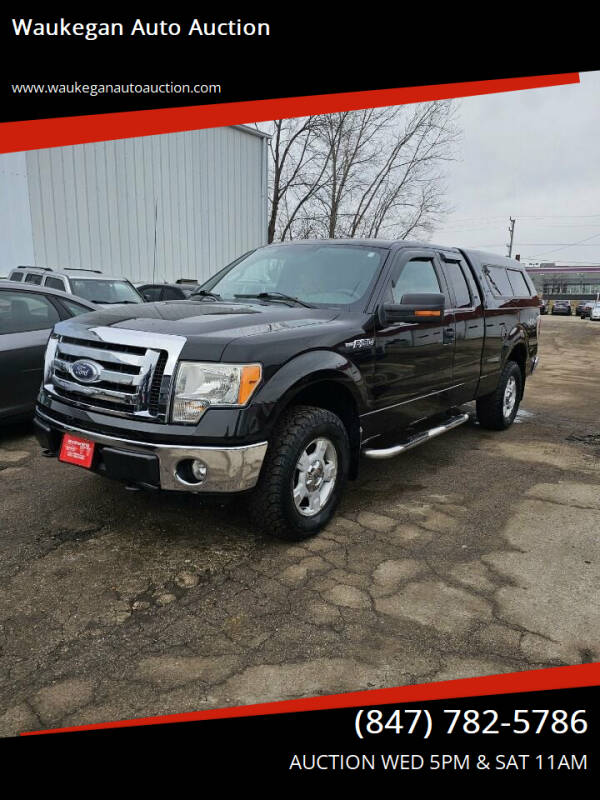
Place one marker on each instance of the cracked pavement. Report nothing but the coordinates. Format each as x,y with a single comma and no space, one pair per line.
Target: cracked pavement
472,555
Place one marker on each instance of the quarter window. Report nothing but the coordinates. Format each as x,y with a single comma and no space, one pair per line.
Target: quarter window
16,276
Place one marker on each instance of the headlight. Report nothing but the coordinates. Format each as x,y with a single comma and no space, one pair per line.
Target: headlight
199,385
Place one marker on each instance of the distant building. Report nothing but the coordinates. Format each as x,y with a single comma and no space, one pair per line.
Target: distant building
566,282
153,208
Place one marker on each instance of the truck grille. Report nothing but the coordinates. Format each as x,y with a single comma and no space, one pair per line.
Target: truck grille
127,373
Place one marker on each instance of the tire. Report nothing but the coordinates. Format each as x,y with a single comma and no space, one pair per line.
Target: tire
492,411
284,503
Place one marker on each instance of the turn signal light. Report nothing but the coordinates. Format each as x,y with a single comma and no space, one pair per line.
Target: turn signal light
428,313
250,379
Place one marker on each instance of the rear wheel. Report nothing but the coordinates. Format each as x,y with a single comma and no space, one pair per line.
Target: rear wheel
498,410
303,475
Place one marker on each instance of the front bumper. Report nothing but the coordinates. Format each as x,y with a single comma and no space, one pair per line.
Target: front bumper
161,466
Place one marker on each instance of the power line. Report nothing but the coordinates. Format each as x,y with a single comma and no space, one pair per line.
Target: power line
525,216
564,247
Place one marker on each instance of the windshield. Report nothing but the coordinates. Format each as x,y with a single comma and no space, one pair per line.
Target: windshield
319,274
104,291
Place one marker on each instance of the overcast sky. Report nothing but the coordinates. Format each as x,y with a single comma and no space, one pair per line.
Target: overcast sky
533,155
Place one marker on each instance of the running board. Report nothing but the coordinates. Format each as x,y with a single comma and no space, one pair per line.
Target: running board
415,441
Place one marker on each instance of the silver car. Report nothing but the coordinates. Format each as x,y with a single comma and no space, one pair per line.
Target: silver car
91,284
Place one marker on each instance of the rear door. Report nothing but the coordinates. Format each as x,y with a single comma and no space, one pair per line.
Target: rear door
413,369
26,319
465,302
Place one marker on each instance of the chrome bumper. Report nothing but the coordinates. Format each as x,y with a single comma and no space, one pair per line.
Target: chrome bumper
228,469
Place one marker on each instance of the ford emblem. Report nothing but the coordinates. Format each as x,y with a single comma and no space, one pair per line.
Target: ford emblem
86,371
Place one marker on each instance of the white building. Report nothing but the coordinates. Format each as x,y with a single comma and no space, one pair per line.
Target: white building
153,208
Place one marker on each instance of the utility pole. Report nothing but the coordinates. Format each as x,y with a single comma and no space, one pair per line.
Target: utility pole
511,230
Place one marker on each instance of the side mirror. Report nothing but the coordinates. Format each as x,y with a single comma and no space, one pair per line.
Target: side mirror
416,308
147,297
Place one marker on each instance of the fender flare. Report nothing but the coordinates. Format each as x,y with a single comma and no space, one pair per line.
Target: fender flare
305,370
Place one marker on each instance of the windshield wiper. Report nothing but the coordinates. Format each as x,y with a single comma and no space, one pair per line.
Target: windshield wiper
205,293
275,296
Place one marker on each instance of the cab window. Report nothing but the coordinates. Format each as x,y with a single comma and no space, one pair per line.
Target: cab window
414,277
458,283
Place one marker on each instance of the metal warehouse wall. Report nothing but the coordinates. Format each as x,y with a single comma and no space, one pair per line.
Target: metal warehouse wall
16,243
151,208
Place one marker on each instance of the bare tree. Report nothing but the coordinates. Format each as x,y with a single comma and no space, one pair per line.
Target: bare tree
375,172
293,157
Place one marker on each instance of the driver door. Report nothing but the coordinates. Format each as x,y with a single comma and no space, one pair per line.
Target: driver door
414,360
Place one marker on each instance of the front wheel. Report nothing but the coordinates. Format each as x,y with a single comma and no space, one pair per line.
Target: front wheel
498,410
303,474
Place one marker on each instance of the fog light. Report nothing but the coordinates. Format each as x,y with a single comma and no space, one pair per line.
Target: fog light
191,472
199,470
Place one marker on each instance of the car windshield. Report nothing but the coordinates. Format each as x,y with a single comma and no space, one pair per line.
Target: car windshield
104,291
315,274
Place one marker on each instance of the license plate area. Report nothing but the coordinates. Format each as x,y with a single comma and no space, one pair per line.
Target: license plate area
75,450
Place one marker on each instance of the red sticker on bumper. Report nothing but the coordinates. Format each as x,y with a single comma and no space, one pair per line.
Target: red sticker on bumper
76,451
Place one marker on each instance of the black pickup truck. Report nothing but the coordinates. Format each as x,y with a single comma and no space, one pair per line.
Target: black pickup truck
286,366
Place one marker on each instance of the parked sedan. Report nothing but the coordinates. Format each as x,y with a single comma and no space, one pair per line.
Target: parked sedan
562,307
27,316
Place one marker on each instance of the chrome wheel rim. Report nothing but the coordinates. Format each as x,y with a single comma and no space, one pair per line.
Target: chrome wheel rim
315,476
510,397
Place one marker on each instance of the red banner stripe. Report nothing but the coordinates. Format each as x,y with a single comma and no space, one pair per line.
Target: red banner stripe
61,131
508,683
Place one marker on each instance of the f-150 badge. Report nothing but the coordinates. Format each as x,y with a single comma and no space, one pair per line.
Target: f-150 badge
360,344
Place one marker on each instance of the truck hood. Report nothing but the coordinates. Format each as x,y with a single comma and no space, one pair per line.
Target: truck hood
208,326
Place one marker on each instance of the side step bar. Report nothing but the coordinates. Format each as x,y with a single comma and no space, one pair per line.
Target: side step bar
419,438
